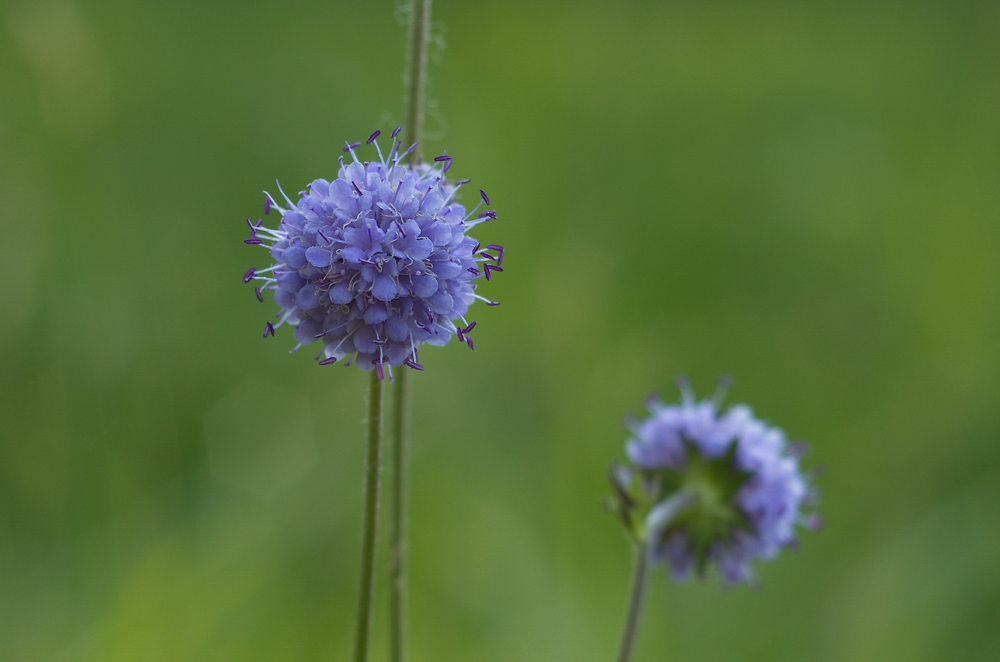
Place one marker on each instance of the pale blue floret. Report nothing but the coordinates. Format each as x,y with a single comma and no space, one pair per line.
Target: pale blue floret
770,498
376,262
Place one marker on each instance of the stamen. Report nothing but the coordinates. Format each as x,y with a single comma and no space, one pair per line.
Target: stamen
413,364
487,268
267,205
379,369
260,297
468,341
687,394
351,146
407,152
469,328
462,182
721,389
395,132
252,241
268,329
291,205
798,449
372,137
329,361
485,197
499,249
248,276
357,189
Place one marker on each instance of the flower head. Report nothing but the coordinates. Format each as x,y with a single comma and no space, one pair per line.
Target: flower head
747,491
376,262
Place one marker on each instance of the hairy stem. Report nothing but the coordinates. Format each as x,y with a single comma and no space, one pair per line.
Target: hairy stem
416,74
658,520
413,111
397,530
373,465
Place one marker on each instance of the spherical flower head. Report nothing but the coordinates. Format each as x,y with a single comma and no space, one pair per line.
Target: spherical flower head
377,261
748,490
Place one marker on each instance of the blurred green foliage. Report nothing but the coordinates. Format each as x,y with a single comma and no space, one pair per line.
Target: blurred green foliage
804,195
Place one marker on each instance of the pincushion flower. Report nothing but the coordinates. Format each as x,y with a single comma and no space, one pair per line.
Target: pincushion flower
742,489
377,261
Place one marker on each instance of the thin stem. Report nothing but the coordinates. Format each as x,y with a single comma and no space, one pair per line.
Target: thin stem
636,602
416,74
658,520
413,110
397,531
373,463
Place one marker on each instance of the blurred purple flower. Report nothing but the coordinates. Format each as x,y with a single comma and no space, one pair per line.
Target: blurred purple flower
749,489
376,262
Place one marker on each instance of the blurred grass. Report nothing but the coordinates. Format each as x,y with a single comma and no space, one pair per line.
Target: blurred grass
803,195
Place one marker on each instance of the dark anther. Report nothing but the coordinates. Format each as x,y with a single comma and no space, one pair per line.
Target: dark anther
329,361
487,268
489,256
476,248
469,328
260,297
252,241
492,303
379,369
379,341
413,364
443,157
485,197
473,271
468,341
395,132
267,205
268,330
356,188
248,276
461,182
499,249
351,146
492,215
253,230
372,137
460,332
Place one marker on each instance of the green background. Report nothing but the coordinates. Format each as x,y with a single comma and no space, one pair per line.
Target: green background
803,195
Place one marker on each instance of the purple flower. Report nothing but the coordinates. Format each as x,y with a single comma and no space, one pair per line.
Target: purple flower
376,262
748,489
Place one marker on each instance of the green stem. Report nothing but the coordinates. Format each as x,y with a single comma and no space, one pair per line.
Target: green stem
372,467
658,520
397,531
416,74
413,110
636,602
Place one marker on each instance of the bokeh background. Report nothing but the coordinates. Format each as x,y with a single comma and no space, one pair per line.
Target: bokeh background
803,195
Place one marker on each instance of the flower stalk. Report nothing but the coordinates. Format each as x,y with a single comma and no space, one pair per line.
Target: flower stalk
413,103
659,519
373,465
